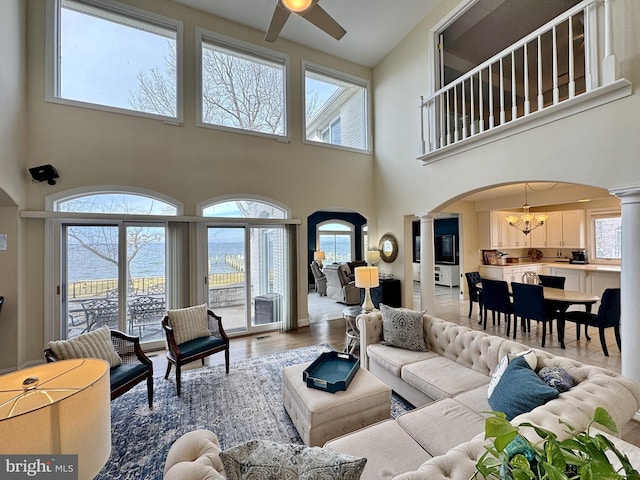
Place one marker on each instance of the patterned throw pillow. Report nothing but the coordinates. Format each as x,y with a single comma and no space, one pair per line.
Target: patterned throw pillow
403,328
556,377
96,344
262,459
189,323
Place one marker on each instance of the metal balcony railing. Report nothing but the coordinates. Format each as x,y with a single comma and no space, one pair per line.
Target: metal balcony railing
553,64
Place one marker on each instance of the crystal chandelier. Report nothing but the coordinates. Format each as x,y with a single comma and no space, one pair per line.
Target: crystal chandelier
527,221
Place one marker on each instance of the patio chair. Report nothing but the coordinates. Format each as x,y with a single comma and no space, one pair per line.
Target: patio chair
193,333
99,312
134,366
146,311
608,316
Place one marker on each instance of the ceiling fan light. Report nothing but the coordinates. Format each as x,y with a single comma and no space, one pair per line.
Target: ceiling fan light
297,5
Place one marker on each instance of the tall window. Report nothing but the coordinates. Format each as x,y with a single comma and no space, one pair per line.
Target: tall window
113,271
336,239
606,230
336,108
115,57
242,86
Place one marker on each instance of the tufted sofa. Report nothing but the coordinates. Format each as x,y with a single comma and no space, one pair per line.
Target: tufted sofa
443,438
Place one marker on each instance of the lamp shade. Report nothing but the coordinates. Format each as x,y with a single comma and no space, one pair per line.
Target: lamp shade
373,256
318,255
367,277
58,408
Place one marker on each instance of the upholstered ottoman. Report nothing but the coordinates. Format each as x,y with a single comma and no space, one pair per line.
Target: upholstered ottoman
194,456
320,416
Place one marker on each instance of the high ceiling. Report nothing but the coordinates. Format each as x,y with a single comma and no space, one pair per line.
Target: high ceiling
374,27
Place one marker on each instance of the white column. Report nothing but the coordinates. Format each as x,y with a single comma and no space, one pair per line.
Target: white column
609,74
630,280
427,262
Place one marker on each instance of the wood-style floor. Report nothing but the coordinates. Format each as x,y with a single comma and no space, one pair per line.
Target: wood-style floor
327,327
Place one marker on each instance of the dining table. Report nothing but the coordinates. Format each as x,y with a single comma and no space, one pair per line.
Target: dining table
561,300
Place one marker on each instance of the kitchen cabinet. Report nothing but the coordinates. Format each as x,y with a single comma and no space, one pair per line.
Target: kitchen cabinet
565,229
507,273
503,235
447,275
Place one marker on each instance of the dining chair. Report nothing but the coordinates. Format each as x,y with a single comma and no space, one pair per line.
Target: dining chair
529,304
608,316
552,281
475,294
495,298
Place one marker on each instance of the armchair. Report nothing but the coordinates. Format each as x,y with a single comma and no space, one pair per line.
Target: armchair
340,287
319,278
133,366
193,333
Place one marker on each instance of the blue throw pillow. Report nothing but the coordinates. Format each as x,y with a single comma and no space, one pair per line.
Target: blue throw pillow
520,390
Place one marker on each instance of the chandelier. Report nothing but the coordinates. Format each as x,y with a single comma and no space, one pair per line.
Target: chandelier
527,221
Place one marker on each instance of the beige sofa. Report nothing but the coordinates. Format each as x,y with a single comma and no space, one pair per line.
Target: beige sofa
444,438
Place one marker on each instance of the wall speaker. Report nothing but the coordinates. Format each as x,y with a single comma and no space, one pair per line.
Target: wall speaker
44,172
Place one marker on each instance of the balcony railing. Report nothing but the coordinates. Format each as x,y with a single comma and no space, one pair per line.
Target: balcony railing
552,65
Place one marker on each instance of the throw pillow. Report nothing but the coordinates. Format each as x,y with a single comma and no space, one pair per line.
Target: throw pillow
262,459
189,323
556,377
520,390
96,344
403,328
529,356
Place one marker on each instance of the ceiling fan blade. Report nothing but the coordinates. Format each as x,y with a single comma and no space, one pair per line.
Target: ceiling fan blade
280,16
321,19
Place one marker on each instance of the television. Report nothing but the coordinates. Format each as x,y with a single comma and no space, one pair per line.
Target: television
445,249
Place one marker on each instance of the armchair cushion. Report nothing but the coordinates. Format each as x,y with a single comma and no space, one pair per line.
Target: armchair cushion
199,344
124,373
189,323
95,344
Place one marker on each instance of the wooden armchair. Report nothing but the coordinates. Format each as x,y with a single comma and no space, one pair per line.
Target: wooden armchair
135,366
197,348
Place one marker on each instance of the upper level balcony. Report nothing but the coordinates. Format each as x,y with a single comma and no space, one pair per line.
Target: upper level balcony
565,66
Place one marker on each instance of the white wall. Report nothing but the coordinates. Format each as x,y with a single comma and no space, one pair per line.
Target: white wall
599,147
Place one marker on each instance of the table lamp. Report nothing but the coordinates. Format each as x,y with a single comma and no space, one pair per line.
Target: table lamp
367,278
319,256
58,408
373,257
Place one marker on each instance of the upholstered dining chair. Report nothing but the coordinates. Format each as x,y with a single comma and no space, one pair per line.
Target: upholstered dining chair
129,365
475,294
193,333
495,298
552,281
529,304
608,316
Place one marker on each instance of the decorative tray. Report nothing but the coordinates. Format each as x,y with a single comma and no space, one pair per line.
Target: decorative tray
331,371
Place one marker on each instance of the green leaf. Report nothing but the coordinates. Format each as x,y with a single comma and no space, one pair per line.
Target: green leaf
602,417
553,472
498,426
553,454
502,441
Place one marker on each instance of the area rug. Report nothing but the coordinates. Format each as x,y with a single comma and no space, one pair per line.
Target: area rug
244,405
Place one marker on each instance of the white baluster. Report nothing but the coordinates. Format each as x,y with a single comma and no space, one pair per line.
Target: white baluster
481,103
456,130
514,100
464,112
525,76
572,83
609,73
472,125
502,116
442,115
556,91
540,92
448,120
491,120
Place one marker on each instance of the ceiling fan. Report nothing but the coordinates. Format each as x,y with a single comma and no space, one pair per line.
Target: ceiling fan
307,9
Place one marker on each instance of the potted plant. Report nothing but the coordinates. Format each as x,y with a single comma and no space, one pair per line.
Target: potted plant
582,456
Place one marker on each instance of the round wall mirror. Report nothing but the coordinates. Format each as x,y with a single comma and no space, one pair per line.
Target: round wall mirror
388,248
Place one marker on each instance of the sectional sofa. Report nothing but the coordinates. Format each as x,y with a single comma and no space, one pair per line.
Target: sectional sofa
443,438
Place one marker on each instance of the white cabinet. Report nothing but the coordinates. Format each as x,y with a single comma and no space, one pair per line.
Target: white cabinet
508,273
503,235
447,275
565,229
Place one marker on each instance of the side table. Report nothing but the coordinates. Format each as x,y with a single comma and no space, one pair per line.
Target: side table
352,331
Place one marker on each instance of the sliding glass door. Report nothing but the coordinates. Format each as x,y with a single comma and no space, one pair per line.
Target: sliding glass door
246,276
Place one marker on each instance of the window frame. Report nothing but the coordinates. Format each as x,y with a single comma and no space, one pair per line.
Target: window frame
344,77
52,70
202,36
351,232
594,215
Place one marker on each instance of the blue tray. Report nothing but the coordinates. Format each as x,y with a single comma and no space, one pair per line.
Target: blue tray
331,371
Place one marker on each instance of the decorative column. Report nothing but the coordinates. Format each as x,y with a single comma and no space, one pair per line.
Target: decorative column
427,262
630,280
609,74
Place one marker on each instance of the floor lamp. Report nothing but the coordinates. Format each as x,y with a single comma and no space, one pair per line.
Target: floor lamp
58,414
367,278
